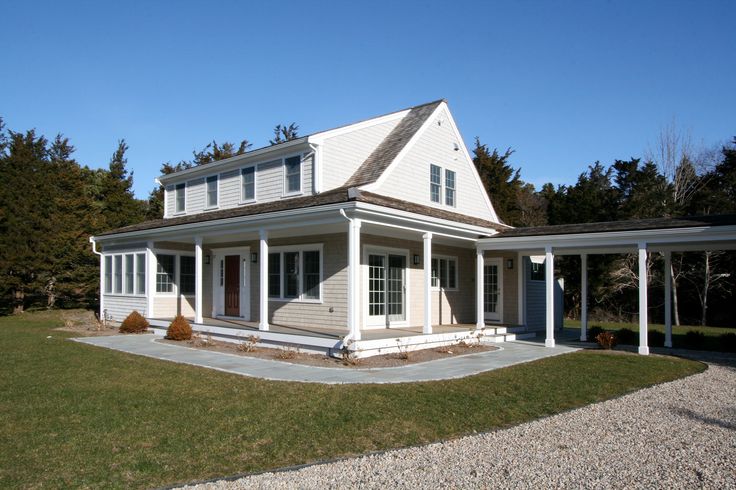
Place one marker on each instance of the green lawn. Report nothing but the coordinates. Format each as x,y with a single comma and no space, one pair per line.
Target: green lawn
82,416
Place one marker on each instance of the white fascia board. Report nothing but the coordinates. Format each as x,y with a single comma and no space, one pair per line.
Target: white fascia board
236,161
613,240
409,145
318,138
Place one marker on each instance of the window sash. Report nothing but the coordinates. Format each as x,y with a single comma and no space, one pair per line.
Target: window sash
435,182
186,275
291,274
274,275
180,195
129,274
444,273
165,270
140,273
310,266
212,191
293,174
118,274
449,187
248,176
108,274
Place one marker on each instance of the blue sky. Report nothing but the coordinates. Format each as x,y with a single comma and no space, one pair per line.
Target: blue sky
562,83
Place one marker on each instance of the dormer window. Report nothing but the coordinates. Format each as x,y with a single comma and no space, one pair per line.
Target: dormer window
248,176
435,183
181,190
212,191
293,175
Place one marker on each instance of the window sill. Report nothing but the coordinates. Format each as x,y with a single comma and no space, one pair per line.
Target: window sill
292,194
211,208
295,300
249,201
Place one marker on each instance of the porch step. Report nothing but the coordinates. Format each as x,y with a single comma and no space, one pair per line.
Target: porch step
499,338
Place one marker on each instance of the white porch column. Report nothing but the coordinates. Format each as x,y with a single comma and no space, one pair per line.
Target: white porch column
198,279
521,289
549,280
263,281
480,321
427,328
643,347
668,299
583,297
354,278
150,278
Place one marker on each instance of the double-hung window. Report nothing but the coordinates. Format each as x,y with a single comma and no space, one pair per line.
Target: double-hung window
435,183
186,274
444,272
295,274
449,187
180,195
108,274
140,273
293,175
165,270
274,275
118,282
129,274
248,182
212,191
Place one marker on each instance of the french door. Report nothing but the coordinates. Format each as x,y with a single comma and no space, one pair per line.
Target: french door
386,289
492,290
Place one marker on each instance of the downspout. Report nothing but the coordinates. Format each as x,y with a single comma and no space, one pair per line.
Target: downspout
316,168
102,278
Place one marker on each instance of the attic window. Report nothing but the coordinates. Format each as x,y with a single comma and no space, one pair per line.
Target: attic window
181,197
449,187
212,191
293,175
435,183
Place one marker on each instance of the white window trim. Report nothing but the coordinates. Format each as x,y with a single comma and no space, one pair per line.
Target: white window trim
243,200
312,247
177,272
457,273
207,205
285,192
122,292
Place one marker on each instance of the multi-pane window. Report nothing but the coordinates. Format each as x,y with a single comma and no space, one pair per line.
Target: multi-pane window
537,272
180,195
129,274
274,275
248,176
186,274
165,269
310,260
140,273
435,183
444,273
118,280
449,187
293,174
108,274
291,274
212,191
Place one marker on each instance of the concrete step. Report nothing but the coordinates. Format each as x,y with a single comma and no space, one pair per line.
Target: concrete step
525,335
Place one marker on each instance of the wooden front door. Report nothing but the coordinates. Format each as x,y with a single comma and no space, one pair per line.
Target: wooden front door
232,285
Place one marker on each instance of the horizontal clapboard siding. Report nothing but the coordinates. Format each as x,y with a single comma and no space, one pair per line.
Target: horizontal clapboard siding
118,307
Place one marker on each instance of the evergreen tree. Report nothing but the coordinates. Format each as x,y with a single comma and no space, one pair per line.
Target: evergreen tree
500,180
283,133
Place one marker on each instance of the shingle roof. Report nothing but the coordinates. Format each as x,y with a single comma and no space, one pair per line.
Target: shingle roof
625,225
385,153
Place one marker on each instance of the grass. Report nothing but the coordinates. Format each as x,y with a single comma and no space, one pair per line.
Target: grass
81,416
711,341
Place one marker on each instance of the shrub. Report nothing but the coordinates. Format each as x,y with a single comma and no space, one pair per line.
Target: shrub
606,340
179,329
727,342
249,345
694,339
593,332
655,338
627,336
134,323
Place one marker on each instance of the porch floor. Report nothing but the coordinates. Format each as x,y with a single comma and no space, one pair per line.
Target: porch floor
331,333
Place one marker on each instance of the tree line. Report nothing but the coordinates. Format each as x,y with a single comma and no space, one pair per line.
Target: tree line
50,204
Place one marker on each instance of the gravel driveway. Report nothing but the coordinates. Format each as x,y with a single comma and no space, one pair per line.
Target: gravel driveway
675,435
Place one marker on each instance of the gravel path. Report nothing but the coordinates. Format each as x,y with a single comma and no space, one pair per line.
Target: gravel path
676,435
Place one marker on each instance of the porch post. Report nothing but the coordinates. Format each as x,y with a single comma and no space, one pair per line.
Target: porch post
263,281
583,297
643,347
427,328
150,278
549,274
480,321
668,299
354,278
521,289
198,279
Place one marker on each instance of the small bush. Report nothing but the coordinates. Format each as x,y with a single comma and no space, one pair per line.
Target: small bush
289,352
179,329
627,336
249,345
694,339
606,340
134,323
593,332
655,338
727,342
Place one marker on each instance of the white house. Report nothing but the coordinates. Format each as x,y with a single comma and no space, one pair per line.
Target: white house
367,237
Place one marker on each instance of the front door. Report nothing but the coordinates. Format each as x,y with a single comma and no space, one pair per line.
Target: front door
232,285
492,291
386,289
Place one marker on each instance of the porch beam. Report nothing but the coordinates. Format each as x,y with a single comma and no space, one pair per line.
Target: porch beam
668,299
427,327
549,274
354,278
198,279
583,297
643,347
150,278
480,321
263,281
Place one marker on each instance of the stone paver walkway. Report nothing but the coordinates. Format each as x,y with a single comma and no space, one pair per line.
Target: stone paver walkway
508,354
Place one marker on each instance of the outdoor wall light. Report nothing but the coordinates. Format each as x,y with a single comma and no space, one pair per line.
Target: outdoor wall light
254,257
509,263
207,259
415,259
